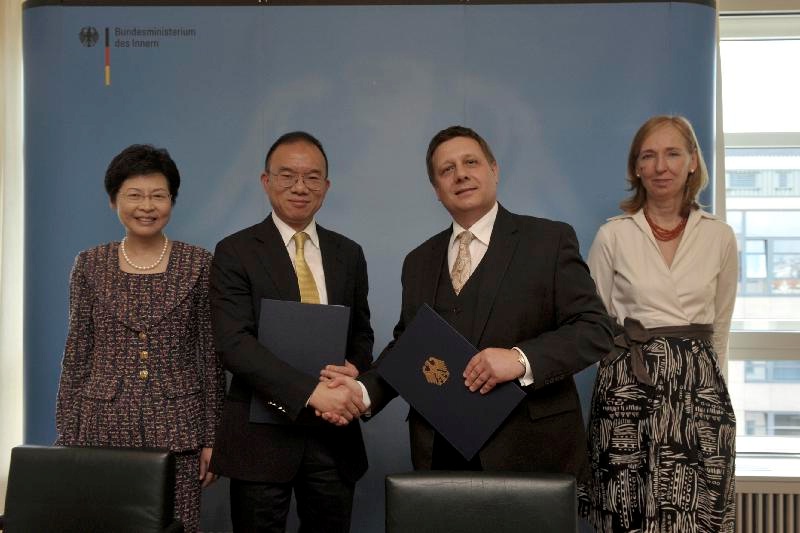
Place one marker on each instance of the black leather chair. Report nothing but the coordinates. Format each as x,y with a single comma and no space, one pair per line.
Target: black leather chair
497,502
68,489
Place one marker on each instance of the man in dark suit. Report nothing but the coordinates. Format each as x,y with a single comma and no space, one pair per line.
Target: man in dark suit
517,288
288,256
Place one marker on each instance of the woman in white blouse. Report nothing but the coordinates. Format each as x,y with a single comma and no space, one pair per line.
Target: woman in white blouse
662,428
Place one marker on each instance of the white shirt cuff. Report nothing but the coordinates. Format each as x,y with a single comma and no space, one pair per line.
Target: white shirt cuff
527,378
365,398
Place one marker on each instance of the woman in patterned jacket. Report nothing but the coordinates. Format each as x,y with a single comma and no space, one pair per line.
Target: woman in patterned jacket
662,429
139,366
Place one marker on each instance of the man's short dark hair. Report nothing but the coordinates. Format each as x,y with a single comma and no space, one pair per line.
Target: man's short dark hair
451,133
141,160
294,137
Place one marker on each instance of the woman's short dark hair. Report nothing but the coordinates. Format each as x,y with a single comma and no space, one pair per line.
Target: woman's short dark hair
141,160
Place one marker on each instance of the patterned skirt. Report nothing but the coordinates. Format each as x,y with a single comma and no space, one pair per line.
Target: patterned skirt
187,490
662,454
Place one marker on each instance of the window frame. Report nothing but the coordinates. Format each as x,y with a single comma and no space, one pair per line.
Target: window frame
770,369
746,20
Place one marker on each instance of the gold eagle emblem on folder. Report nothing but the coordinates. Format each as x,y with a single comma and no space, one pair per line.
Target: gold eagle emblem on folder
435,371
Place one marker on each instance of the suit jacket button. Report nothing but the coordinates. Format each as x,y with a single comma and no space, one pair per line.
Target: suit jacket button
142,336
143,354
143,374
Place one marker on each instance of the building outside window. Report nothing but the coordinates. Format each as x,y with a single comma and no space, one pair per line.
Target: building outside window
771,423
761,121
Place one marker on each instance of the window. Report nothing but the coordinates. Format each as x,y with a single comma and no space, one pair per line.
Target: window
761,195
776,371
741,180
769,423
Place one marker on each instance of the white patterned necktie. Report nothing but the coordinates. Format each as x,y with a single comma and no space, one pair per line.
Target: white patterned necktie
305,279
462,268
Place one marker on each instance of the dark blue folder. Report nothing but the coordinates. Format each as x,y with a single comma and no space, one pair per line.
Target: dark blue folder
425,367
307,336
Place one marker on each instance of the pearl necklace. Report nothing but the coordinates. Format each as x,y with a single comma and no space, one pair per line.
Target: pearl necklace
148,267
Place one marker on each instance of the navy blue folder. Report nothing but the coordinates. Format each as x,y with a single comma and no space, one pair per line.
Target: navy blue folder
307,336
425,367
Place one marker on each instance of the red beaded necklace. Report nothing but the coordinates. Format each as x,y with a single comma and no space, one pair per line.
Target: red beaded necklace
662,234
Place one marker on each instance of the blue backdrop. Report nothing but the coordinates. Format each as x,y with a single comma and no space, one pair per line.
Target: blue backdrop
557,89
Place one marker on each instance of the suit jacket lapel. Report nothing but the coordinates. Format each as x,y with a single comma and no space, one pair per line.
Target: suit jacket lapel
115,294
505,238
432,267
178,280
333,265
275,262
177,286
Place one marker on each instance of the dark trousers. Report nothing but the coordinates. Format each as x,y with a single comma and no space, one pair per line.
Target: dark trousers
324,499
445,457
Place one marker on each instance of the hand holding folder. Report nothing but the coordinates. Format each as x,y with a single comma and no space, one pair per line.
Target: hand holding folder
307,336
425,367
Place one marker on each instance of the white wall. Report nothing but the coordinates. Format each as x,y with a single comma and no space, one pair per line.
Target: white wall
10,235
758,5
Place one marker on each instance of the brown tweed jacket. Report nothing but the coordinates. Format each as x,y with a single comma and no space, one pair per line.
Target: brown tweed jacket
139,366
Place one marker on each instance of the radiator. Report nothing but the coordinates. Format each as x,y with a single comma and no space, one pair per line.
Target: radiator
767,513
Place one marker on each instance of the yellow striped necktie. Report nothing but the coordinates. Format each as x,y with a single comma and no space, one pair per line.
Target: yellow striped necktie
305,279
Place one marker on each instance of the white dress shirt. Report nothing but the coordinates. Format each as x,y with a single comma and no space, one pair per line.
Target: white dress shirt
482,231
699,287
312,253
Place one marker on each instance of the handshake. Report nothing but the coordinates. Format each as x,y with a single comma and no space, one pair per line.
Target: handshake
338,398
